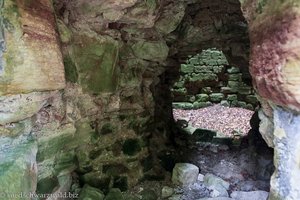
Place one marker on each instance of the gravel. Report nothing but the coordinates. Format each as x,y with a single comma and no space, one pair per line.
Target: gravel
226,120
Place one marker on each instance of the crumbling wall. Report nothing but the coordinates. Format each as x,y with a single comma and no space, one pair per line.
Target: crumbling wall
207,79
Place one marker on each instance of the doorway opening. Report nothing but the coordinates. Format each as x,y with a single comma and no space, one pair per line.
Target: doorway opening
211,94
215,111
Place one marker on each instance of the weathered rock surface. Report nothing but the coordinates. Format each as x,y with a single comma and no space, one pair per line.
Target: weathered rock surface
185,174
18,167
27,65
167,192
15,108
278,81
218,186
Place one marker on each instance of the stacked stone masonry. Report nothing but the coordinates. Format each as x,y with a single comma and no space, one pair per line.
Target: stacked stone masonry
207,78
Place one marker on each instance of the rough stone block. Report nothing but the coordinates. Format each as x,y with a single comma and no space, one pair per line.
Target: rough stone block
186,68
242,104
203,69
185,174
202,77
218,69
235,77
216,97
217,185
211,180
232,97
206,90
227,90
244,90
234,85
202,97
182,105
225,103
233,70
251,99
180,91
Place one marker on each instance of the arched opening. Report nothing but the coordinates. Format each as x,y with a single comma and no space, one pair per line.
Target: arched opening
209,70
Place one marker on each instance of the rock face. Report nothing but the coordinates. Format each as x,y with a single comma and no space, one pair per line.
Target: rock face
185,174
273,64
27,63
278,81
18,167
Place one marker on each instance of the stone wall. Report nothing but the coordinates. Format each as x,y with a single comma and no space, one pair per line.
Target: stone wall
207,78
107,125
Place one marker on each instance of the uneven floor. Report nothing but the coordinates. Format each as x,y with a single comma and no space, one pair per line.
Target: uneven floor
244,168
226,120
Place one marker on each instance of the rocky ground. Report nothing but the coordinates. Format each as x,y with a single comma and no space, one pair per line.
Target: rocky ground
219,118
224,174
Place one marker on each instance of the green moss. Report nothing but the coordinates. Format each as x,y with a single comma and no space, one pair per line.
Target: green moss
96,62
64,32
131,147
70,70
65,162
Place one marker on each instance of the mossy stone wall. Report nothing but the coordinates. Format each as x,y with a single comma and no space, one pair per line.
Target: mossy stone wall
207,78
